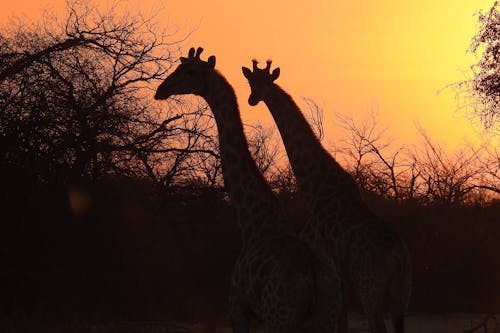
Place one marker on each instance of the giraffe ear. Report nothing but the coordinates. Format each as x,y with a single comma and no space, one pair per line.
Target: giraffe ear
275,74
246,72
211,61
183,60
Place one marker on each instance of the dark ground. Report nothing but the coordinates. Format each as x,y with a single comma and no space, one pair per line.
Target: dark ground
135,254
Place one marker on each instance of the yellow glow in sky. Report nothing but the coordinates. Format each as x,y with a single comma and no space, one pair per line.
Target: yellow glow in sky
347,55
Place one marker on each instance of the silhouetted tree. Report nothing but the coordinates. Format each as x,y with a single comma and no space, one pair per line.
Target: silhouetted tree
490,168
75,98
283,181
315,117
483,90
264,148
447,180
374,164
426,173
187,154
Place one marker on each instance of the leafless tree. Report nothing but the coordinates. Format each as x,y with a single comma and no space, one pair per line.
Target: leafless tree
263,147
76,97
469,175
315,117
481,93
283,181
427,173
447,179
209,166
375,165
184,152
488,163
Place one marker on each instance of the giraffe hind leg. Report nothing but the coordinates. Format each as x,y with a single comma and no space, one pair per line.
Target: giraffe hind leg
373,306
327,312
376,322
398,310
240,318
398,322
372,299
400,291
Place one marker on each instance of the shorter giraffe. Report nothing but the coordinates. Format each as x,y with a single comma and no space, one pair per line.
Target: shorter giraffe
372,257
276,278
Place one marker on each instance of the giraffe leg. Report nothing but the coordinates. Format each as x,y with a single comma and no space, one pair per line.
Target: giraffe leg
346,293
343,320
372,294
240,318
372,301
398,322
328,312
399,296
398,310
376,322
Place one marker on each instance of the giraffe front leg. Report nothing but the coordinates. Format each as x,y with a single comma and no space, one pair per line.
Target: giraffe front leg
343,321
328,312
372,295
240,318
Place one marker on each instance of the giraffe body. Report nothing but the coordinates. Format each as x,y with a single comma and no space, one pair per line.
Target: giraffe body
372,257
276,278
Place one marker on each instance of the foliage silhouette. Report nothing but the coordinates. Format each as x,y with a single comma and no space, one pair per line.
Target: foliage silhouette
426,173
481,93
75,103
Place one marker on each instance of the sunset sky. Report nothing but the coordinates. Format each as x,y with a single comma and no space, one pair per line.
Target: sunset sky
347,55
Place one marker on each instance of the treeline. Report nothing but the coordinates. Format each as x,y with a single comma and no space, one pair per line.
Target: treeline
75,98
113,204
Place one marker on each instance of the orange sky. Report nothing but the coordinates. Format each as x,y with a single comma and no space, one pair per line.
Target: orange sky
347,55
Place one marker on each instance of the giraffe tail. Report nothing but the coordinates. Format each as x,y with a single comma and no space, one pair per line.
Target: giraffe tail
401,292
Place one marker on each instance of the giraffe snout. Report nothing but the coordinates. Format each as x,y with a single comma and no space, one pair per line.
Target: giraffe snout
252,100
162,94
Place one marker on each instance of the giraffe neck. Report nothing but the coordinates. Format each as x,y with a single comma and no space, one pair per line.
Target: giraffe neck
317,172
258,211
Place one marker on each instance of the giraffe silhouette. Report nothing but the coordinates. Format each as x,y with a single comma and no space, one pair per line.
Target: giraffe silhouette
277,278
373,260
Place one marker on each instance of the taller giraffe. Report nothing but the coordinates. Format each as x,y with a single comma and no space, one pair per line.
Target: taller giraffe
373,258
276,279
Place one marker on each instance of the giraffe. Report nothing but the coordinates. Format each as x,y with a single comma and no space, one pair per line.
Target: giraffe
277,278
372,258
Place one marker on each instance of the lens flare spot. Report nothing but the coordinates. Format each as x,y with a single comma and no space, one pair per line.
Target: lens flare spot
79,201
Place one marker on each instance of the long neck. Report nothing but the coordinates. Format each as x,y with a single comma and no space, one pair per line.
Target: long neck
316,171
256,206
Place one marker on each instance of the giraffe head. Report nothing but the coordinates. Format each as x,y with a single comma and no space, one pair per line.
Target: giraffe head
260,81
190,77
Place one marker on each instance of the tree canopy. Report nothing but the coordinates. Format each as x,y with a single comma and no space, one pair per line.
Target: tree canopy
484,87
